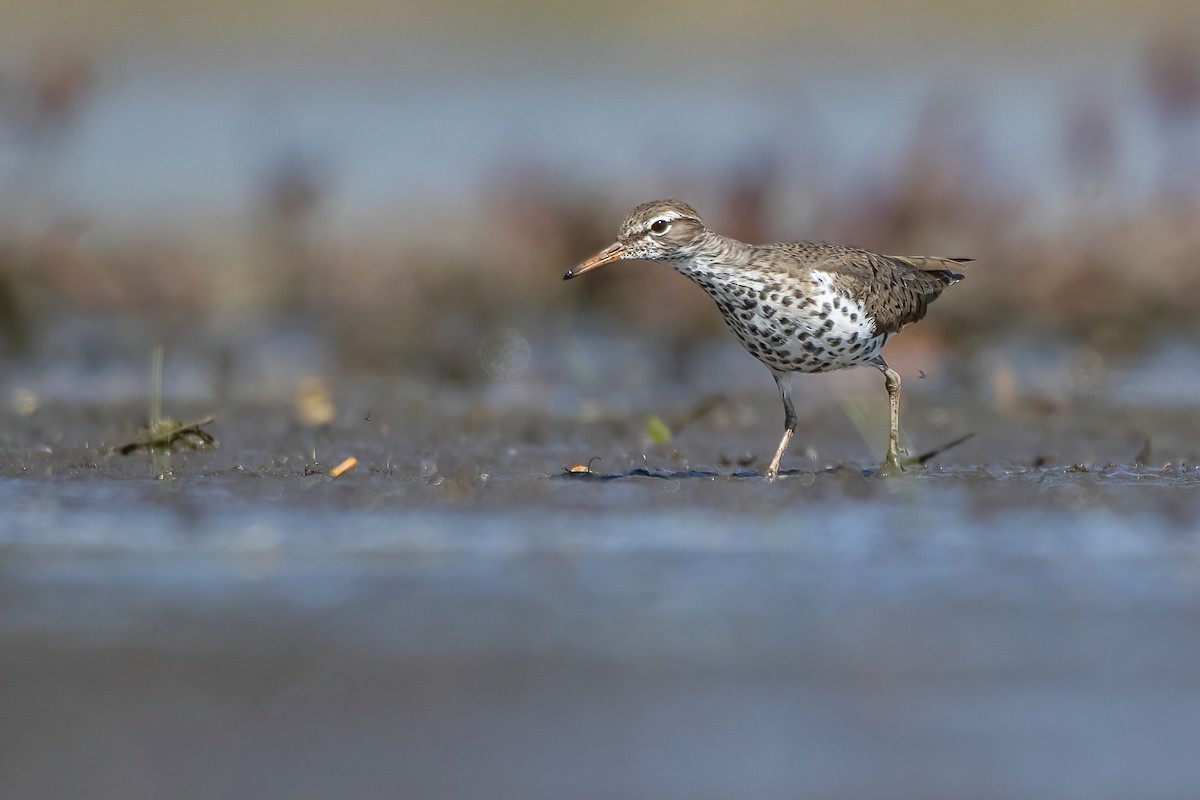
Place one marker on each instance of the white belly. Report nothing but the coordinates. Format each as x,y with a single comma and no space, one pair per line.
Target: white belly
822,330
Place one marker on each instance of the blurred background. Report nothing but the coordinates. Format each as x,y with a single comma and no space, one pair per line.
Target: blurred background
346,225
402,179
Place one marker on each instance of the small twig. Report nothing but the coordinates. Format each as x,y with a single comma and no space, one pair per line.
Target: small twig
921,459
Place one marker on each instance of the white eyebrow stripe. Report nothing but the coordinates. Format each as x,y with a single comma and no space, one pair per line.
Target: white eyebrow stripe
666,216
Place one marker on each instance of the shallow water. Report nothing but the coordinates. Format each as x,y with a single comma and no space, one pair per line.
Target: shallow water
460,617
962,634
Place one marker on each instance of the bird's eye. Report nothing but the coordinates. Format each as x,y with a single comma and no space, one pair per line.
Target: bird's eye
659,226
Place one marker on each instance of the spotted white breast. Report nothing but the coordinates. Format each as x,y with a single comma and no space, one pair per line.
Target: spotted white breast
817,328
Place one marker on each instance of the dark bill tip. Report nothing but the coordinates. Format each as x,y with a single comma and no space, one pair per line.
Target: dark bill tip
614,252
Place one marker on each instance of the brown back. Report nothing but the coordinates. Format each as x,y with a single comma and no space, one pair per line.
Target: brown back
894,290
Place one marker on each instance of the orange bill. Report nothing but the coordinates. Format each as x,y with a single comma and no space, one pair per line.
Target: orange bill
614,252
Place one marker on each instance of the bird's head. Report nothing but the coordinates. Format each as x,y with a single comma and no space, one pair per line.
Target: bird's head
662,230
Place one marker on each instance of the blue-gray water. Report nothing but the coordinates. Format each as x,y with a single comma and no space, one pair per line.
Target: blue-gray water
988,636
458,617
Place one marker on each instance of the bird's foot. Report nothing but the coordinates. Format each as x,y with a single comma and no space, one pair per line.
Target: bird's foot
773,470
891,466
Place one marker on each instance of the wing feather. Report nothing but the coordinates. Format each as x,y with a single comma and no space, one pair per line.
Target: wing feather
893,290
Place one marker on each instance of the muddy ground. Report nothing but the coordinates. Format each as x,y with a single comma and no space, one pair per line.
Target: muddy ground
459,617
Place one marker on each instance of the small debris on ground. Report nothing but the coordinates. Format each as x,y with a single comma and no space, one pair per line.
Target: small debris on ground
344,467
1145,456
166,433
657,430
937,451
582,469
314,403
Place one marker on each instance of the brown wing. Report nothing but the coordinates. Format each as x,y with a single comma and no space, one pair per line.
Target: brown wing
894,290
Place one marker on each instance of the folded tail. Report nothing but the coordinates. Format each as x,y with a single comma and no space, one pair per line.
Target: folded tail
943,268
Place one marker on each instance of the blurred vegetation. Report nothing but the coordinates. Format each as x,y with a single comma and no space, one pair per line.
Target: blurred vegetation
1113,276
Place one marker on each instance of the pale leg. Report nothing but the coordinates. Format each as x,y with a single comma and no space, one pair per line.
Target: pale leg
891,463
789,422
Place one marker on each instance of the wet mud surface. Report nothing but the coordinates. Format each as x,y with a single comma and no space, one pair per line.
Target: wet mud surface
461,615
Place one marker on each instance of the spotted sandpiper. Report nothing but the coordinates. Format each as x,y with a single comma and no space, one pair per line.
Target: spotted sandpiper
796,307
